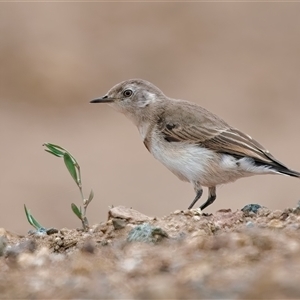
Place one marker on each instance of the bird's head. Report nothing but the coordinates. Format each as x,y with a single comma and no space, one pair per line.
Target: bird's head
131,96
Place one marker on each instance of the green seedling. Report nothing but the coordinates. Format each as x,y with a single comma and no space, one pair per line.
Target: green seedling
33,222
74,170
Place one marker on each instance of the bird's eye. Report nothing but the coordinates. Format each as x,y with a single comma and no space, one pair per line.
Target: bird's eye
127,93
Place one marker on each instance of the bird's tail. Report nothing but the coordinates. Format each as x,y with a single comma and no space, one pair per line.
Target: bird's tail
289,172
279,167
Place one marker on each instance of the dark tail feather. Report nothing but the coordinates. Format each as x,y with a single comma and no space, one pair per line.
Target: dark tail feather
278,167
281,168
288,172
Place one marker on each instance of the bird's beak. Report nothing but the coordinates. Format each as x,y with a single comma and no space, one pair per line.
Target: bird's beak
103,99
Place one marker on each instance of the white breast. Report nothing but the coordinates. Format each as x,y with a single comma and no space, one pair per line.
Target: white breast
189,162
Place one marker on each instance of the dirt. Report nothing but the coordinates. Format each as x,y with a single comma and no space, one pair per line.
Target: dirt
250,254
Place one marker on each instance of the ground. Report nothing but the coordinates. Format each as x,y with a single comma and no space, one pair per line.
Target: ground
247,254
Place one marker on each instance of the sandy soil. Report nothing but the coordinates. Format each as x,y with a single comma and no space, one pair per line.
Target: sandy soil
187,254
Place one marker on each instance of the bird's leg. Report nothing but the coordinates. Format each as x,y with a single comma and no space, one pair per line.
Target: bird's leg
198,196
211,197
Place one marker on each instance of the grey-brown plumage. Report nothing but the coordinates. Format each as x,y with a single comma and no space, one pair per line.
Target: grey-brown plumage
196,145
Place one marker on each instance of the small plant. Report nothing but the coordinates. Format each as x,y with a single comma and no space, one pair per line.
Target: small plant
74,170
32,221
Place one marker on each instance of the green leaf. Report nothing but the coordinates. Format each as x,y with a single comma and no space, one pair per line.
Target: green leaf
36,223
27,212
54,149
70,164
76,211
31,220
55,146
74,159
59,152
91,196
57,155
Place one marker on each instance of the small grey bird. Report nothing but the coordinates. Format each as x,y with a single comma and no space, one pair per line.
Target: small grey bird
193,143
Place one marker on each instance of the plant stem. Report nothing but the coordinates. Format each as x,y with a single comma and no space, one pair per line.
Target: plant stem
84,220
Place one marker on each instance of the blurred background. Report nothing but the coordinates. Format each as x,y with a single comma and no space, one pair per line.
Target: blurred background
239,60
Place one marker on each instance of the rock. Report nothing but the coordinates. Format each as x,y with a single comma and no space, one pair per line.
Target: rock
128,214
146,233
251,208
50,231
276,223
250,224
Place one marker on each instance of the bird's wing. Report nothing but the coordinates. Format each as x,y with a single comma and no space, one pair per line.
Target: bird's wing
211,132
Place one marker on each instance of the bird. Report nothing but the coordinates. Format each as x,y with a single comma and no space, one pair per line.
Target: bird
196,145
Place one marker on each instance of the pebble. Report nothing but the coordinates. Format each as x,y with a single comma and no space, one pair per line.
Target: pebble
146,233
276,224
251,208
250,224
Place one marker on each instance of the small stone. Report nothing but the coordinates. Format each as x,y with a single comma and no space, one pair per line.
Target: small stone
197,211
250,224
146,233
59,243
126,213
276,223
187,212
177,212
50,231
251,208
196,218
